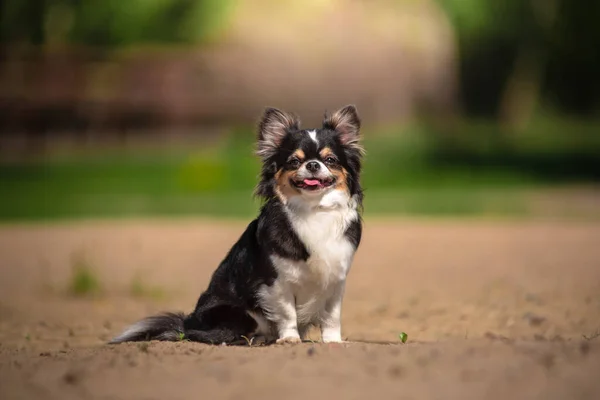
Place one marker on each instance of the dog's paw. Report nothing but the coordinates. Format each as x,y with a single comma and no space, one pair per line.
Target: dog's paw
332,338
290,340
341,343
335,341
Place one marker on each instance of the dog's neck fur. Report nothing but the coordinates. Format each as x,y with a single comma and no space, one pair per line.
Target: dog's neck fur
329,201
322,217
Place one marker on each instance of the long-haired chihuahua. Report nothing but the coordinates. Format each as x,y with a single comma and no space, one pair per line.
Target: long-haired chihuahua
287,272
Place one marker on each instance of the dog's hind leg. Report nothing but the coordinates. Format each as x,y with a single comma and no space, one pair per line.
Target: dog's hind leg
222,323
215,336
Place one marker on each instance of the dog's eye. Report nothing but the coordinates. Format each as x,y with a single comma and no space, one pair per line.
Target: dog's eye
330,160
294,163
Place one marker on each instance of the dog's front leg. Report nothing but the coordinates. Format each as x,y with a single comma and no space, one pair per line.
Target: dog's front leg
287,323
280,303
331,327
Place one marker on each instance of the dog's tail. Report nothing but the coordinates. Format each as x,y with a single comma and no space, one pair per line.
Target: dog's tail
165,327
215,325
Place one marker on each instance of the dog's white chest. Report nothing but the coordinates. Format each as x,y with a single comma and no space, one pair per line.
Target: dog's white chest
331,253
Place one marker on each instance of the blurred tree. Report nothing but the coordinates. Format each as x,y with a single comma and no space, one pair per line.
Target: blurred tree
516,54
22,21
572,82
110,23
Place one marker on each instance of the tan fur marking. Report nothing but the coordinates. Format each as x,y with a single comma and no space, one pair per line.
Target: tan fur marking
283,189
326,151
300,154
341,182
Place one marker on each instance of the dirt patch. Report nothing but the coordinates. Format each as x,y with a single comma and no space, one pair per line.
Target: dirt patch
491,309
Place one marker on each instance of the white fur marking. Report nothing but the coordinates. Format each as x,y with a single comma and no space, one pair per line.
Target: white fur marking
263,328
132,330
313,136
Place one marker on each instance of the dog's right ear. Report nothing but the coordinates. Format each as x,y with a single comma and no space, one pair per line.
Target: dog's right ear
346,123
272,129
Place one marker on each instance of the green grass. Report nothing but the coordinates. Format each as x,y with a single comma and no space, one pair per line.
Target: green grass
468,169
83,281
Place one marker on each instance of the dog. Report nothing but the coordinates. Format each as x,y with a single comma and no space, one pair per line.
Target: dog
287,272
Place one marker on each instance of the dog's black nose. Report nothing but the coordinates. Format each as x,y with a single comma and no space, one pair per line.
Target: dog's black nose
313,166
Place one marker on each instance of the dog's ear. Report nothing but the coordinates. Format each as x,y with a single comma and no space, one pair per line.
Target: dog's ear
346,123
272,129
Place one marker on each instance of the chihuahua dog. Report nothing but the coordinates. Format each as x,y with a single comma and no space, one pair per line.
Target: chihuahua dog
287,272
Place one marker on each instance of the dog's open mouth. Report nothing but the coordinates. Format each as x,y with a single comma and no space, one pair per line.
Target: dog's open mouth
313,183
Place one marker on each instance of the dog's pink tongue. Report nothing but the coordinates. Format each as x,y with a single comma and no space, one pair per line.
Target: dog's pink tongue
311,182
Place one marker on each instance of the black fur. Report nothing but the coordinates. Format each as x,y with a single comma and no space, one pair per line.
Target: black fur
221,313
354,232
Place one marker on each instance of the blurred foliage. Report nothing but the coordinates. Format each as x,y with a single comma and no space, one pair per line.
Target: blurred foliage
475,172
562,37
109,23
482,19
83,279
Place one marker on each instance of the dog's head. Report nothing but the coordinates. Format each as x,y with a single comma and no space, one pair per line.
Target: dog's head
309,163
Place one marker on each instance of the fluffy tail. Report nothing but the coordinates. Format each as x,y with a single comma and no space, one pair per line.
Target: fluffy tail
215,325
166,327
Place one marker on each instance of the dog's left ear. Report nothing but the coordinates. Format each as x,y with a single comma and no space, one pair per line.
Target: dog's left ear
346,123
272,129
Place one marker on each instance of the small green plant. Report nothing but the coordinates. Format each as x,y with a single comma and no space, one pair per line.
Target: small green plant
248,341
28,337
83,278
403,337
181,337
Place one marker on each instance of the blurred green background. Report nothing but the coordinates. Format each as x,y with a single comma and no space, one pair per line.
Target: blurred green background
144,108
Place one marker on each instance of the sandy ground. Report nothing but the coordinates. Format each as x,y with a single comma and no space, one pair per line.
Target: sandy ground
492,310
